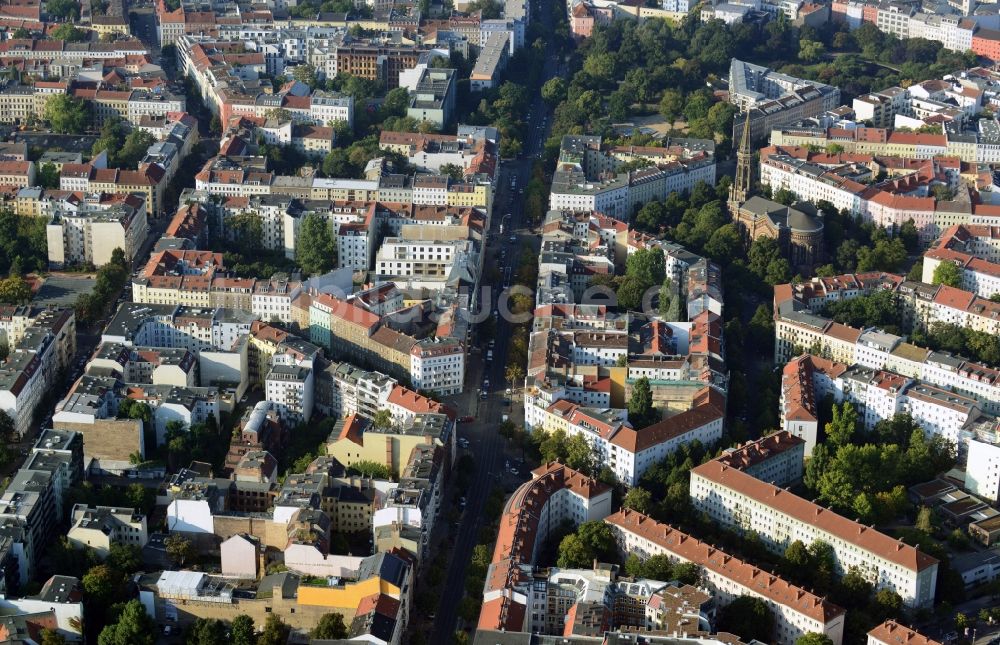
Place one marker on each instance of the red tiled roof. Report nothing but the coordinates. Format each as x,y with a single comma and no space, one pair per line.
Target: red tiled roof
807,512
746,575
892,633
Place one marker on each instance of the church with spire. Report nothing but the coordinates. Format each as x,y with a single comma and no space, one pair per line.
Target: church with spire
740,189
798,229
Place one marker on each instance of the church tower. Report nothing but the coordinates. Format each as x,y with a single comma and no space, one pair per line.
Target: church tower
740,189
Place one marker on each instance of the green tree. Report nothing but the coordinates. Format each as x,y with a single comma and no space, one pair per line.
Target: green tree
553,447
749,618
697,106
48,176
925,520
52,637
126,558
687,573
638,499
453,170
134,148
554,90
651,216
382,419
593,540
841,430
888,603
640,404
796,558
316,251
371,469
724,244
720,118
101,584
67,114
947,273
69,33
630,294
305,74
579,454
854,589
275,632
133,627
14,290
395,103
784,196
179,548
331,626
64,9
813,638
810,51
207,631
910,236
672,105
7,427
242,631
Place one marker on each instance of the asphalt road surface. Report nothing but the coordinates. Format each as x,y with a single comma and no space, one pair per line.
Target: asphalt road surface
486,445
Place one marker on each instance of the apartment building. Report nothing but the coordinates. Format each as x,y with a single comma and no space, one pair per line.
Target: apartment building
629,451
797,329
778,458
586,179
375,62
771,99
414,262
554,495
474,149
796,611
892,633
407,517
35,360
100,527
376,592
32,505
290,384
975,250
738,501
433,99
89,233
491,63
805,381
148,180
845,180
359,439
